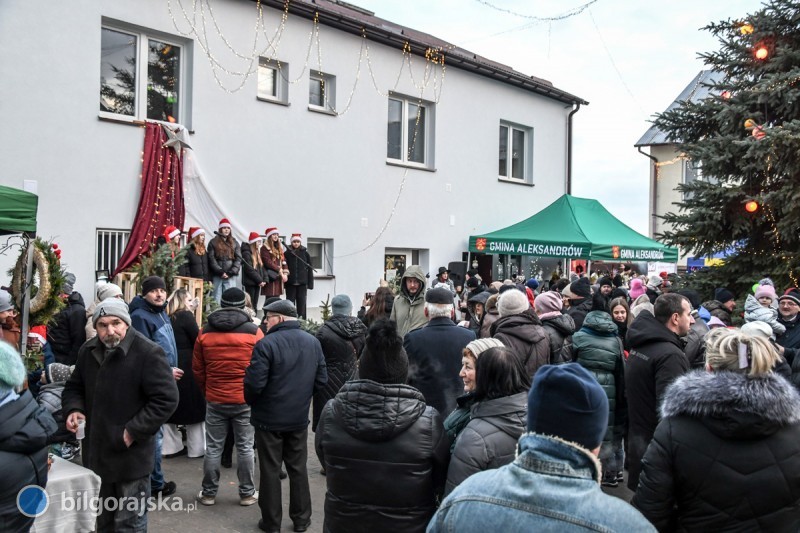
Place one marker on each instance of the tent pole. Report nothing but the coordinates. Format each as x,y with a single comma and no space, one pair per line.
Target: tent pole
26,299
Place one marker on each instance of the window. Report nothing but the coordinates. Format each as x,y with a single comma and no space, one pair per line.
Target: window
141,76
410,132
515,159
272,81
321,252
110,243
321,92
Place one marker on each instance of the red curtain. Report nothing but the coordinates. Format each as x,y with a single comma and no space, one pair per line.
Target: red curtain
161,200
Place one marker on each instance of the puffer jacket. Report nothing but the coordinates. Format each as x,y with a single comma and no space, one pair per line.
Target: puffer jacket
25,432
222,354
196,265
715,308
525,336
579,310
755,312
655,361
490,316
791,346
342,339
598,349
153,323
559,331
217,264
490,438
694,343
408,310
385,456
458,419
725,457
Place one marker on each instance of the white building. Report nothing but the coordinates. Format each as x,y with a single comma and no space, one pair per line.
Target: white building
318,148
668,166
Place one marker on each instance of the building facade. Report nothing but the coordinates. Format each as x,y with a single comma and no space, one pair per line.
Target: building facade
382,146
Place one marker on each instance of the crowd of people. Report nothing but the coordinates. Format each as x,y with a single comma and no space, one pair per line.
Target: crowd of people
445,406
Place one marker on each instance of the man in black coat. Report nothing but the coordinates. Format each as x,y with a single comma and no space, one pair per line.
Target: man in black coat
301,275
434,353
287,367
123,390
67,331
656,359
789,341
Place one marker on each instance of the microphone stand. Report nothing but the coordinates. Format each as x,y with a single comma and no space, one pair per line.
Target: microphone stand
286,249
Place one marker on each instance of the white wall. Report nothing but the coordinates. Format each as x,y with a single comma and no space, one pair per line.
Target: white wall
669,177
269,165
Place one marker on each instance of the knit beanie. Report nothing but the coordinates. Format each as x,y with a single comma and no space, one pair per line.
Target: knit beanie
57,372
233,297
766,291
111,307
637,289
512,302
581,288
12,371
654,282
792,294
478,346
723,295
605,280
383,359
69,283
5,301
618,281
342,305
566,401
548,304
108,290
532,284
151,283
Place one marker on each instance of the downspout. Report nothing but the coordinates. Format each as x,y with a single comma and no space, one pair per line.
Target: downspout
653,192
569,147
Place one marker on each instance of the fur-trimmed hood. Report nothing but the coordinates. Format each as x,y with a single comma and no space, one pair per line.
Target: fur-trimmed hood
734,405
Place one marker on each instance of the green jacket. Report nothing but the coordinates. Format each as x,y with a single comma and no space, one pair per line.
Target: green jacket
408,310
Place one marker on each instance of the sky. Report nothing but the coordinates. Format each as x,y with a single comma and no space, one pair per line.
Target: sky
628,58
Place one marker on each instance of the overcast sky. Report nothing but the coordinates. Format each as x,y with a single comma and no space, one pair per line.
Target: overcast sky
628,58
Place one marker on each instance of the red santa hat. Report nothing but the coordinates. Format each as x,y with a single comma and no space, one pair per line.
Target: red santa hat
224,223
296,237
254,237
194,232
171,232
269,232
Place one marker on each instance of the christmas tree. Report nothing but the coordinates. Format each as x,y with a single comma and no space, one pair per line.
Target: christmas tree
744,138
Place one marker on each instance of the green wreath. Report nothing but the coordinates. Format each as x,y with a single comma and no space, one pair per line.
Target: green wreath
45,297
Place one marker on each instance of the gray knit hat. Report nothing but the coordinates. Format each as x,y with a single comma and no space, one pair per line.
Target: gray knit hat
108,290
512,302
341,305
111,307
478,346
5,301
12,371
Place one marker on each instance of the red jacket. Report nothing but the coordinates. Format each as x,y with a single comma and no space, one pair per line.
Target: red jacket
222,353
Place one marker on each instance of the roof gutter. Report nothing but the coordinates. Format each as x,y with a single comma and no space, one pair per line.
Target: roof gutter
653,192
569,146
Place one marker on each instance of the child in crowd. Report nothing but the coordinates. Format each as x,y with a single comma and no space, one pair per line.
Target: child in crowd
759,307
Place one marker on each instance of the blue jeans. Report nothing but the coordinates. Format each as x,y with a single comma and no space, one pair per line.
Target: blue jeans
157,476
217,417
221,285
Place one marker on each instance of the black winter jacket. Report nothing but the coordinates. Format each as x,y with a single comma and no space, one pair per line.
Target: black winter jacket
342,339
579,310
286,368
299,264
196,266
559,331
385,456
251,276
191,405
725,456
67,331
790,341
656,360
524,335
216,264
133,389
25,431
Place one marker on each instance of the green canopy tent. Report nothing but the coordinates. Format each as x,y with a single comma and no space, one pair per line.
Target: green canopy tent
573,228
17,211
18,215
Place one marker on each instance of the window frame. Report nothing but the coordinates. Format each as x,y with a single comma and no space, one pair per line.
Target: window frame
143,37
429,132
328,92
326,268
527,155
280,70
121,235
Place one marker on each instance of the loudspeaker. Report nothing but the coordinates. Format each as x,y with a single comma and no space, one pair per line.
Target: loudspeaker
458,271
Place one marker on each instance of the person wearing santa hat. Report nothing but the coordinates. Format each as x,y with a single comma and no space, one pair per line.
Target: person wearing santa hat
224,259
274,263
196,265
254,275
301,274
171,236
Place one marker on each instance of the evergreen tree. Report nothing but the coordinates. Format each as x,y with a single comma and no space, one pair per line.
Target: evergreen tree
745,138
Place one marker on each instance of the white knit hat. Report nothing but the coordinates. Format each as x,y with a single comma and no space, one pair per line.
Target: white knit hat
512,302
